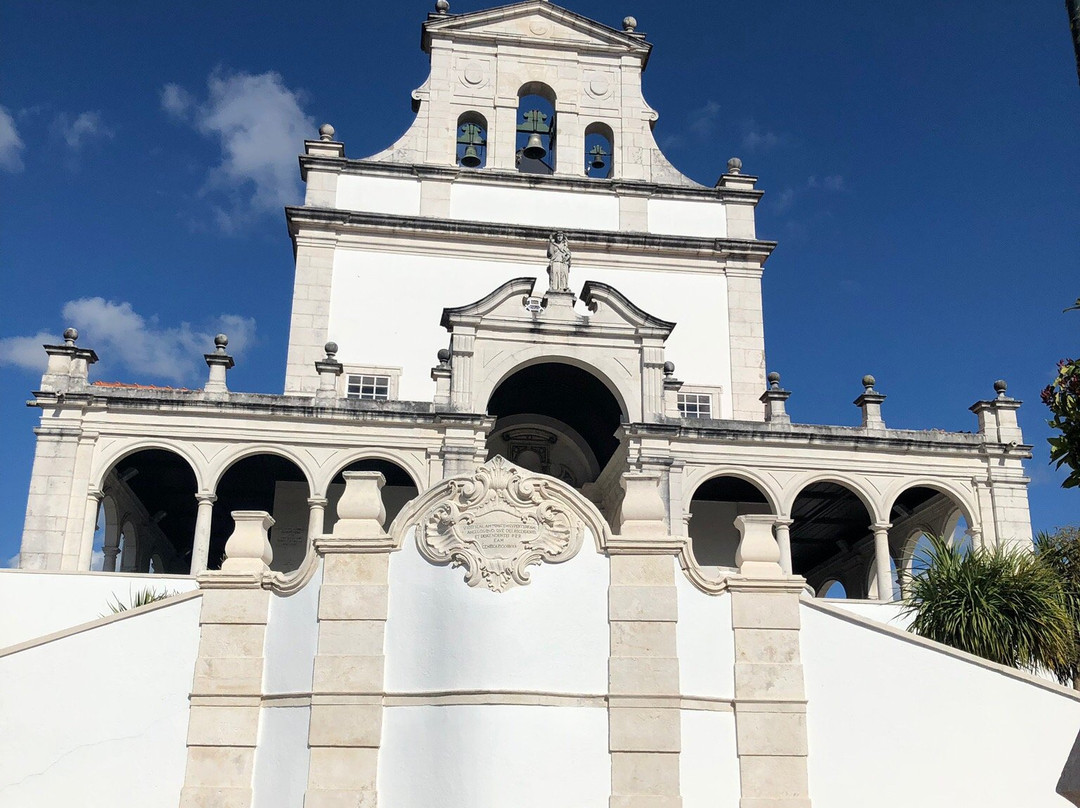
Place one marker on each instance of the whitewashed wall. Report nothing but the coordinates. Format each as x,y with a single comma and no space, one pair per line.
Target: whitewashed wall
99,718
371,330
38,603
893,723
281,765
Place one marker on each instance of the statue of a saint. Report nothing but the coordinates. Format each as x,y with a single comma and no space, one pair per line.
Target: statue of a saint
558,253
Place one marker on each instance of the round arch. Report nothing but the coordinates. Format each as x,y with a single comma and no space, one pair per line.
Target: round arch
113,456
797,487
408,463
713,507
961,497
698,477
833,588
605,370
399,490
222,465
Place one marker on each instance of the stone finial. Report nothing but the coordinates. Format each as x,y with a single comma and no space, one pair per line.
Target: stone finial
1000,386
997,416
870,404
248,548
326,132
69,365
70,335
331,349
669,369
734,166
444,357
775,400
442,6
219,363
328,369
629,24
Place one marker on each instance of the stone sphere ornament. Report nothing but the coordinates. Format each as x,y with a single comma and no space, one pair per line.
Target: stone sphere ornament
326,132
868,381
629,24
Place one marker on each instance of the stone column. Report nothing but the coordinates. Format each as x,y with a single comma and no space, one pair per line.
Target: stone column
644,723
316,517
782,528
347,687
881,561
223,726
200,543
770,700
86,549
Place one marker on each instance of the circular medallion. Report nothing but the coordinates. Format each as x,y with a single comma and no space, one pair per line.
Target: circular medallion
598,87
539,27
473,73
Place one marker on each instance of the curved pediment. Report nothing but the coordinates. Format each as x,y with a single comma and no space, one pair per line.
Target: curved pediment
598,296
509,297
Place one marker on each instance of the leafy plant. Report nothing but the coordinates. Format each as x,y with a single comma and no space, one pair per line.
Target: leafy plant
1060,551
1005,605
1062,397
143,597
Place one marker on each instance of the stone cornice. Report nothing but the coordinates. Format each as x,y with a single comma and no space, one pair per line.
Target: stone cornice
344,221
553,182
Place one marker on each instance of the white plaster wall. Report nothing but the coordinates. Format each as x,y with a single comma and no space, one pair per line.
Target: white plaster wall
99,718
281,764
494,755
37,603
705,642
379,194
709,762
292,638
370,330
549,636
533,206
891,614
686,217
895,724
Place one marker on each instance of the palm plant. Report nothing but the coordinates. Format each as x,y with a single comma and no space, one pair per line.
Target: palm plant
1060,551
1005,605
141,598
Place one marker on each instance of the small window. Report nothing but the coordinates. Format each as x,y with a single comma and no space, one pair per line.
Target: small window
368,387
695,405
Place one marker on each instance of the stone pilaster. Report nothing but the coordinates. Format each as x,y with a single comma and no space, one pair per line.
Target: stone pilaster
770,699
223,727
347,687
747,341
644,727
310,318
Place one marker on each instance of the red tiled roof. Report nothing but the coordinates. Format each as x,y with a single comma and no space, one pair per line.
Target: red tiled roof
139,386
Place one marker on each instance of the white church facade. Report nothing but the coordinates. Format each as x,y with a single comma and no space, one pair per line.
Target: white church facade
529,524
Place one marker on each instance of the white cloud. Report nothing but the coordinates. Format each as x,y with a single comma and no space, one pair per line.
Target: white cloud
13,562
754,139
834,182
784,200
11,145
705,120
86,125
260,126
124,339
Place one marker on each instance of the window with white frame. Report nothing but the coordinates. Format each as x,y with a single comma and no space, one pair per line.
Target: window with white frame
695,405
368,386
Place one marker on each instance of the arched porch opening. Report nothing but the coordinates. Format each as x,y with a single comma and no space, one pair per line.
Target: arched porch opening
557,419
918,513
400,489
264,482
714,539
830,536
147,514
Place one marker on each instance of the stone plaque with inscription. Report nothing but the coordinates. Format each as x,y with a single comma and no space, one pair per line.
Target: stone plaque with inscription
497,523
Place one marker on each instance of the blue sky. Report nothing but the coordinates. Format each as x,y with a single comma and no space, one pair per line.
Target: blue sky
919,162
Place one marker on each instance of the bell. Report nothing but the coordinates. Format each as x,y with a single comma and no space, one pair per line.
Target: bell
597,162
534,149
470,159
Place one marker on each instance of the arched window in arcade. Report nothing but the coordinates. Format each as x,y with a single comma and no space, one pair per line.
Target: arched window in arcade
713,508
833,590
472,140
400,488
535,143
831,537
146,520
599,151
264,482
917,514
555,419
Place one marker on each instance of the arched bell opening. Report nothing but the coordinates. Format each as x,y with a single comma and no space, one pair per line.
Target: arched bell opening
714,538
535,136
555,419
400,489
831,537
599,151
471,145
146,519
264,482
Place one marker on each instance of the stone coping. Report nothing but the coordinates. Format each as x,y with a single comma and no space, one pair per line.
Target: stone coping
554,182
501,232
172,600
963,656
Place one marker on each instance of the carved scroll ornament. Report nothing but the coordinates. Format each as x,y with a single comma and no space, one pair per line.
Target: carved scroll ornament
497,523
